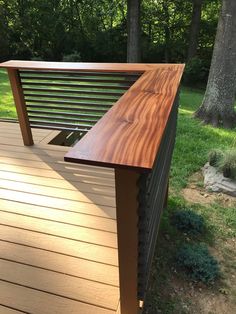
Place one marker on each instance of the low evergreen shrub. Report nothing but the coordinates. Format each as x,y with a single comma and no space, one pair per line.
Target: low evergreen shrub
197,263
73,57
224,162
227,164
215,156
188,222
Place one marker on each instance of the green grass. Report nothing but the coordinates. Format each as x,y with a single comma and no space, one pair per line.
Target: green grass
7,109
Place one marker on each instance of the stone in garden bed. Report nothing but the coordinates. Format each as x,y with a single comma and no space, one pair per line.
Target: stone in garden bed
215,181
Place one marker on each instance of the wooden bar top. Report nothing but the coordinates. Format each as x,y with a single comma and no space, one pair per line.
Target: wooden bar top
129,134
83,66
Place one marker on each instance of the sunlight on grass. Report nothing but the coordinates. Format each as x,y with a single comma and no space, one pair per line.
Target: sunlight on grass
229,134
7,108
185,111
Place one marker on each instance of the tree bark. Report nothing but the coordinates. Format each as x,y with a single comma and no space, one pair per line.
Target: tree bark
194,28
218,104
133,27
166,31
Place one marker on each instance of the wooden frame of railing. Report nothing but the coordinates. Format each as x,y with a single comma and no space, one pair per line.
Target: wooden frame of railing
135,136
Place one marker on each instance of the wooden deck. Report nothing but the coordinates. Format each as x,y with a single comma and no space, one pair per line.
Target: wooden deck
58,242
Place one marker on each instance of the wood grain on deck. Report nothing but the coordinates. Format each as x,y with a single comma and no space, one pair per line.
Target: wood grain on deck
58,238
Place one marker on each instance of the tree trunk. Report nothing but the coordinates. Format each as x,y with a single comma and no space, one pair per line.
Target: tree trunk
133,26
194,29
167,30
218,103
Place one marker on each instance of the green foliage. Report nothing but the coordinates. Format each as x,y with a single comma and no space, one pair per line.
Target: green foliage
195,71
97,30
37,58
197,262
215,156
188,221
7,108
227,164
73,57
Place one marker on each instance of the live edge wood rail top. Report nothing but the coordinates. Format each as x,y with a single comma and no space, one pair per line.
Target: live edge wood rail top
129,134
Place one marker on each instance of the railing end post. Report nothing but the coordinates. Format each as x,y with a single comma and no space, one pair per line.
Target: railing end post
19,100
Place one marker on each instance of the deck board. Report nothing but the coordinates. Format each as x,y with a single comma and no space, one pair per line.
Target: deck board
58,193
58,236
52,202
58,215
76,267
7,310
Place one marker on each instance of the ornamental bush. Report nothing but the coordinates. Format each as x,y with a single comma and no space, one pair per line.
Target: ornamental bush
197,263
227,164
73,57
188,222
224,162
214,157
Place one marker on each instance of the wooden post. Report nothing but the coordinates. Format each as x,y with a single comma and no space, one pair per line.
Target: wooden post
20,106
127,231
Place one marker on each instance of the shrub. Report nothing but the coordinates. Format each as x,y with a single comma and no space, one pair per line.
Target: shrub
195,71
215,156
73,57
228,164
197,262
37,58
188,221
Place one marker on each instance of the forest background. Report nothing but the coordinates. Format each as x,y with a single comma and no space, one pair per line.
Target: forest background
83,30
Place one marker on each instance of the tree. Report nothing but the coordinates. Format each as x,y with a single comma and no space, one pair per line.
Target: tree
218,103
166,26
133,26
4,40
194,28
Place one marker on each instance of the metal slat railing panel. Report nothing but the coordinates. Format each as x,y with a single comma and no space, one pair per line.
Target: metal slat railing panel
66,100
152,191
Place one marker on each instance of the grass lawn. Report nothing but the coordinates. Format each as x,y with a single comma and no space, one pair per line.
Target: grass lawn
170,291
7,109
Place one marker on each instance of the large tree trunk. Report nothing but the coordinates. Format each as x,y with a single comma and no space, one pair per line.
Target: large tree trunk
167,30
218,103
133,25
194,28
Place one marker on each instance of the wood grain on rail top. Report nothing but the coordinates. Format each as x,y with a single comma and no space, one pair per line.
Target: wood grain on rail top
129,134
83,66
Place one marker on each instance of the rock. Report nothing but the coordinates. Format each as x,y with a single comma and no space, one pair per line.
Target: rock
215,181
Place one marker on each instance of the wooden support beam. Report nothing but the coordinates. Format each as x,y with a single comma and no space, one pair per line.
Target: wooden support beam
20,106
127,232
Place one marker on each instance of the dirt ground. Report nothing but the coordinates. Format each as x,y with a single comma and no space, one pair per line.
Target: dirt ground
196,193
220,299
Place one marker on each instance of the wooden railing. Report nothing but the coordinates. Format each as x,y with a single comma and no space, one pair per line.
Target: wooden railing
130,127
